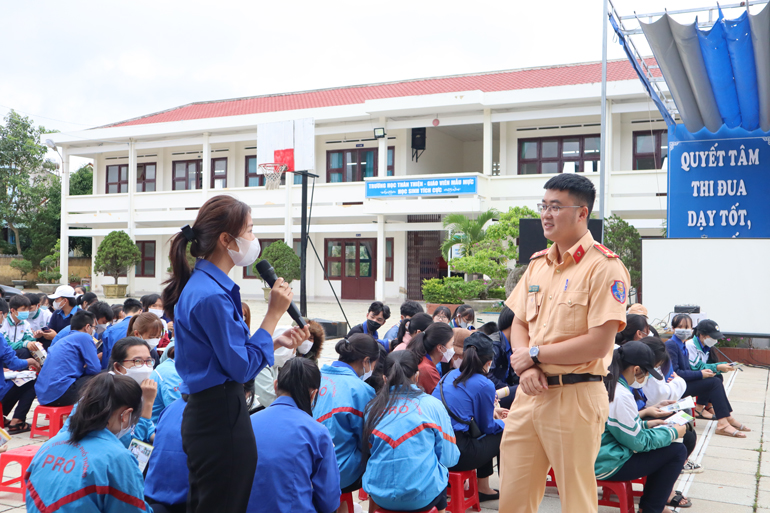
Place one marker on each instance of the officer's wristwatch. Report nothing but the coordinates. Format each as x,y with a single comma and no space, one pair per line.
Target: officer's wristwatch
533,353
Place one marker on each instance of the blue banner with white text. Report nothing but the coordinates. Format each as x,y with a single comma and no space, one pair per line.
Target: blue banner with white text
439,186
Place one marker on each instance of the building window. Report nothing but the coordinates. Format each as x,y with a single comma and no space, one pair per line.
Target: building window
219,173
356,164
187,175
391,160
145,177
569,154
333,259
117,179
146,268
253,179
650,149
389,259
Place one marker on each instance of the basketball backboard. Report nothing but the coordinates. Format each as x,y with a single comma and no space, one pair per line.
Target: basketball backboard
287,142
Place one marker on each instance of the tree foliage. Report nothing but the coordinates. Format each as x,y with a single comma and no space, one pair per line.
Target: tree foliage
82,181
283,259
116,254
42,231
465,231
507,227
23,266
623,239
488,257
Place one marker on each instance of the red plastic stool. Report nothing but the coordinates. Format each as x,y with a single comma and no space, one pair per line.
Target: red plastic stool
23,456
460,499
380,510
362,495
56,416
642,481
348,499
552,481
624,492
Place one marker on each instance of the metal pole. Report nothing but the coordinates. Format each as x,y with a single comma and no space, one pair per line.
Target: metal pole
603,154
303,249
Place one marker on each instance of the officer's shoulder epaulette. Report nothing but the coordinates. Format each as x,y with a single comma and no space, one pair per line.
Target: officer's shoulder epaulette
605,251
538,254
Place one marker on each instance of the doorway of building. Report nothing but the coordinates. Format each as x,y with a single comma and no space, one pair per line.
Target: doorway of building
424,260
359,268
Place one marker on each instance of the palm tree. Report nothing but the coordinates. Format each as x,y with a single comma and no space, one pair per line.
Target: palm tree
465,231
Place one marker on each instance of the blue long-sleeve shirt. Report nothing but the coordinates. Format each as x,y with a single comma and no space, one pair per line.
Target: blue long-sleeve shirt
72,357
474,398
10,361
212,342
167,473
296,468
501,373
680,362
110,336
169,383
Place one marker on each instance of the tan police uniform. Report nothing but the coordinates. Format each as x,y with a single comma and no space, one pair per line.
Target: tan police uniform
562,427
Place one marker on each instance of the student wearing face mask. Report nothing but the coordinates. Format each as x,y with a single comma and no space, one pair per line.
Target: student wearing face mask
408,310
153,304
64,306
469,398
286,432
442,314
85,467
703,384
16,329
215,352
375,318
632,448
463,317
705,336
103,314
119,330
341,403
408,329
38,315
460,334
432,346
149,327
312,347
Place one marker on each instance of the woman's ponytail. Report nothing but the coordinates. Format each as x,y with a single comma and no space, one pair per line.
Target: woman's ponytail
100,398
613,374
298,378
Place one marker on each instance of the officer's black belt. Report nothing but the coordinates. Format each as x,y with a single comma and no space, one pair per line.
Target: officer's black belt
571,379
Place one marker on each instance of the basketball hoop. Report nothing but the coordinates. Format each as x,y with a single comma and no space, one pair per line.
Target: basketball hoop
273,174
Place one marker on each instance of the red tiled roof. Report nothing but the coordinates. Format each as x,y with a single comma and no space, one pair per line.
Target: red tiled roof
488,82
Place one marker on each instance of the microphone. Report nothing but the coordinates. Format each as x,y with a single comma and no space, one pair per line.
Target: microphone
267,273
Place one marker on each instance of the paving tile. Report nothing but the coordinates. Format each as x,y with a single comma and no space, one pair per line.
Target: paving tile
722,477
721,493
725,453
706,506
729,465
750,443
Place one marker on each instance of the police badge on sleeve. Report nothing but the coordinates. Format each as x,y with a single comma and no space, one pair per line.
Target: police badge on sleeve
618,290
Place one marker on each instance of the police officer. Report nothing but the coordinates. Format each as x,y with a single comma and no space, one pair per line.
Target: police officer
568,307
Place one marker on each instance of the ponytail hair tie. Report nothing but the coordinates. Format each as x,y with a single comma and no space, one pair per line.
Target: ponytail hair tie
188,233
347,342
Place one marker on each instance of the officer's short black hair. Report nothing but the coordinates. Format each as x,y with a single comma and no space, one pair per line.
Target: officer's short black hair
579,187
410,308
82,319
506,319
18,301
378,307
131,306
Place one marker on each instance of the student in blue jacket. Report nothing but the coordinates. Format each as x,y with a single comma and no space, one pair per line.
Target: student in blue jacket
215,352
71,363
463,317
119,330
408,310
342,399
85,467
701,383
412,441
296,470
469,397
169,383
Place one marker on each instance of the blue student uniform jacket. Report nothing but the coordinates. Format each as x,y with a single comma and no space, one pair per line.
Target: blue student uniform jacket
392,334
680,360
296,469
61,334
142,431
167,473
74,356
474,398
169,383
213,344
96,474
59,321
342,399
411,449
10,361
110,336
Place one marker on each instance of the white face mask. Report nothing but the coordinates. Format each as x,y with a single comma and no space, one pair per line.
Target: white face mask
157,311
57,306
456,364
124,431
367,373
448,354
638,385
463,325
305,346
248,251
683,334
153,342
138,374
710,342
282,355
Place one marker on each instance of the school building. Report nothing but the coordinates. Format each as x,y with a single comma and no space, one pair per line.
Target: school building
501,133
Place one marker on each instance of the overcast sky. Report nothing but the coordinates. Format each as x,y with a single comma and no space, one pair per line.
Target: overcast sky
78,64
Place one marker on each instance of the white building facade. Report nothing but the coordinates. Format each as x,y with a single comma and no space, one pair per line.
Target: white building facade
510,130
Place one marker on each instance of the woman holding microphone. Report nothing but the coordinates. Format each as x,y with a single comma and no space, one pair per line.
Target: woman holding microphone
215,353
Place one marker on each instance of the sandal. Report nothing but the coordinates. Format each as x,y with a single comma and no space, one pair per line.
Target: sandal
21,427
699,415
679,501
735,434
741,428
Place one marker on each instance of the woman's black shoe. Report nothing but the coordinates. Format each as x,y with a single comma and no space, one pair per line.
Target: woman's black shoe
489,497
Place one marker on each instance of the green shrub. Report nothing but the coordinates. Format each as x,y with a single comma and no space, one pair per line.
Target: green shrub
453,290
497,293
23,266
116,253
283,259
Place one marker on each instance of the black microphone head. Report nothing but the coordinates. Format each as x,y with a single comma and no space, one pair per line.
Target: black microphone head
263,266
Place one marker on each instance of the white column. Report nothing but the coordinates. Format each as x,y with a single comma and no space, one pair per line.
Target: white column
380,283
608,162
382,152
503,148
206,166
64,239
97,160
487,144
131,206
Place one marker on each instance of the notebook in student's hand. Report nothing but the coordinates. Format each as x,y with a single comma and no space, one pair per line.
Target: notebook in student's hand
683,404
141,452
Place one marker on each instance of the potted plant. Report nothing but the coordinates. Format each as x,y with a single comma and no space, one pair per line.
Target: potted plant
285,262
74,280
24,267
116,253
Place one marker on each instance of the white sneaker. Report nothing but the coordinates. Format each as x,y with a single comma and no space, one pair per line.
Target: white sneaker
690,467
357,508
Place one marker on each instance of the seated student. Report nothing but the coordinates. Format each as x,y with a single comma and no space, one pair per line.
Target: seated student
79,290
375,318
119,330
705,336
408,309
489,328
38,315
460,334
501,373
312,347
117,314
153,303
704,383
376,380
636,329
442,314
169,384
432,346
71,363
86,300
16,329
408,329
469,398
9,392
149,327
630,447
103,314
131,356
85,467
287,433
426,441
463,317
64,306
342,401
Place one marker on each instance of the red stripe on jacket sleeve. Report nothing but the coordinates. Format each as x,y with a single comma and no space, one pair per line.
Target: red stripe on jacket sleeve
342,409
409,434
83,492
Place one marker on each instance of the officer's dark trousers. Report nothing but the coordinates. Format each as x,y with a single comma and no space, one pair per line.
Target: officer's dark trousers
221,451
710,390
477,454
662,468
